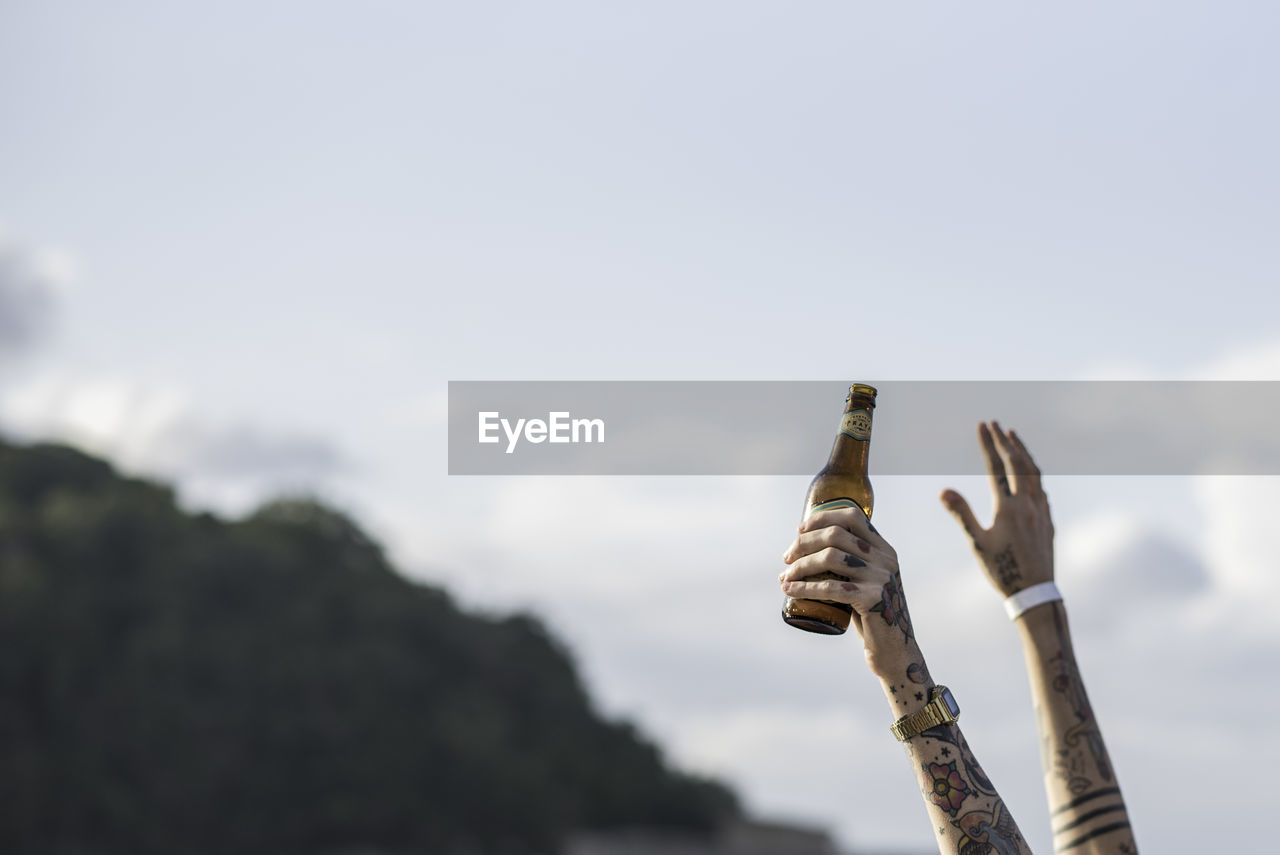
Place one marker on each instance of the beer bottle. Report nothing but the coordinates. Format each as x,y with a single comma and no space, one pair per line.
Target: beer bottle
842,483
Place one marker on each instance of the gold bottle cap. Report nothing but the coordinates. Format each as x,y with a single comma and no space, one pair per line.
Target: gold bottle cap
862,389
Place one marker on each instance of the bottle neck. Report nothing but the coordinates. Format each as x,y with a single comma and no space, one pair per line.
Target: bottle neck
852,447
848,454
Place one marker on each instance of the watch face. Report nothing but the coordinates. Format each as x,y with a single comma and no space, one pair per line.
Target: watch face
950,702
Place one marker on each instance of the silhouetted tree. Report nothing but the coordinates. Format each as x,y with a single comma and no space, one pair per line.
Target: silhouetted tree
178,683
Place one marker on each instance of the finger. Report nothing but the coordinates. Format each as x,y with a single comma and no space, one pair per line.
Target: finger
835,590
995,464
1029,463
1013,467
828,560
959,508
852,519
832,536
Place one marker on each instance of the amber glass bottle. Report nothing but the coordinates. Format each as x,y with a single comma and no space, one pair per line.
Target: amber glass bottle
842,483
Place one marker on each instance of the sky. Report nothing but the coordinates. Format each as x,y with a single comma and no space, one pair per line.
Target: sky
244,247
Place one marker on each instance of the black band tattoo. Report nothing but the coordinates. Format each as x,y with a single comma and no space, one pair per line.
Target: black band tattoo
1085,817
1096,794
1097,832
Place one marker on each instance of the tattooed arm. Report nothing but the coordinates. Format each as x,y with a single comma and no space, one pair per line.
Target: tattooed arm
1088,810
857,566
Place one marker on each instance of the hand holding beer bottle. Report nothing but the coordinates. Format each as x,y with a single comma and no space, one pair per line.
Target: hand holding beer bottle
840,570
842,483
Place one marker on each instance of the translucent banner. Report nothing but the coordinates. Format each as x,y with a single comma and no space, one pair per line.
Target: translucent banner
919,427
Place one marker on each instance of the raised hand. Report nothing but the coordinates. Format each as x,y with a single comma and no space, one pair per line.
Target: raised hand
1017,550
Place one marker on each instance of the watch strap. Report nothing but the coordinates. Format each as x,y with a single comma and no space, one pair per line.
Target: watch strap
933,714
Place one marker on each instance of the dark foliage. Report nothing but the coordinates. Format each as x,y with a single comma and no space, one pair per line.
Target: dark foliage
178,683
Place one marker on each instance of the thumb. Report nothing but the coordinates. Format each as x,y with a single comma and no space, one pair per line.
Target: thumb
959,508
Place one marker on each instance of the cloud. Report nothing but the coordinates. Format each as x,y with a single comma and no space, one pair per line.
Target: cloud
1236,528
243,451
155,431
236,466
816,763
1254,361
1116,568
30,278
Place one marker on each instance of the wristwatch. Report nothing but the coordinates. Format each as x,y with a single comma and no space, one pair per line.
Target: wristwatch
941,709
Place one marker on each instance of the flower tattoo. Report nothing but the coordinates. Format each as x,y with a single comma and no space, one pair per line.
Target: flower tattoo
948,790
893,607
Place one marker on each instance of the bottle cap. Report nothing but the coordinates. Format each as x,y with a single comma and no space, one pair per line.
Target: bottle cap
862,389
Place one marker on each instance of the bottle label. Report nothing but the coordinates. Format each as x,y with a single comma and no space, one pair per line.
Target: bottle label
857,424
833,504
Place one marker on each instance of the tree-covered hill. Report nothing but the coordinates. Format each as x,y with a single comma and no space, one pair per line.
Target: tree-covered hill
181,683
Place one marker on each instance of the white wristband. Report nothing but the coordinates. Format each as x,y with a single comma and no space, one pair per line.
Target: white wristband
1028,598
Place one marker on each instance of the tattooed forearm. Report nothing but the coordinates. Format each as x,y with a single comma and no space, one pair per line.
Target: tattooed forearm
1089,814
970,817
1067,682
